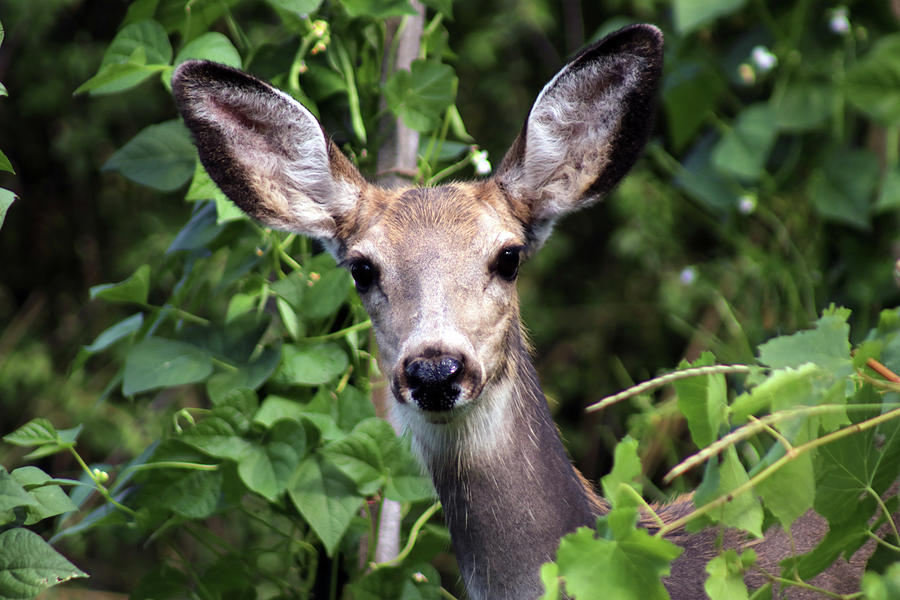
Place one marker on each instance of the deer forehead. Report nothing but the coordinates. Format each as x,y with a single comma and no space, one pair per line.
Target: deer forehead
419,230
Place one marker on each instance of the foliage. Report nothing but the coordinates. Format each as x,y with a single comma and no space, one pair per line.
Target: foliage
6,196
255,464
819,427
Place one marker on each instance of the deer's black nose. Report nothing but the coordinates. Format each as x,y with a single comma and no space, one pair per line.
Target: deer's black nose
434,381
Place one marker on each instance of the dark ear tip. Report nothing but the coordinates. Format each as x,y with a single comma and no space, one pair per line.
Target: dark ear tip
194,71
642,39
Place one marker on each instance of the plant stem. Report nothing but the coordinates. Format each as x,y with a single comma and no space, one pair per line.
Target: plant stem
362,325
101,489
887,514
768,471
413,535
755,427
646,505
666,379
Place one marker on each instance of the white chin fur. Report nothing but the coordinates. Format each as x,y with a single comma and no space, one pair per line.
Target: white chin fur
472,430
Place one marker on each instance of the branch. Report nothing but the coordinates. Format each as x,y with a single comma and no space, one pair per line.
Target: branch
397,153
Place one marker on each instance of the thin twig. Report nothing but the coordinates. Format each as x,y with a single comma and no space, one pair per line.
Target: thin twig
413,536
768,471
755,427
883,370
665,380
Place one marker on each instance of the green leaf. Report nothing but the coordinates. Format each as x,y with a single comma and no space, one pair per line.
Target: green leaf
299,7
326,498
267,469
405,479
138,51
802,106
626,468
118,77
249,376
29,565
5,165
358,455
782,389
190,493
134,289
199,231
827,346
147,35
326,294
889,194
703,401
36,432
421,95
289,319
274,408
203,188
217,437
839,538
50,499
159,362
160,156
140,10
210,46
791,490
726,577
872,85
625,562
882,587
353,406
743,511
378,8
550,580
113,334
12,496
744,149
7,197
690,93
856,466
689,15
312,365
843,189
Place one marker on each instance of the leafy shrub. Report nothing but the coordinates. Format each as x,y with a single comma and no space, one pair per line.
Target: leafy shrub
252,356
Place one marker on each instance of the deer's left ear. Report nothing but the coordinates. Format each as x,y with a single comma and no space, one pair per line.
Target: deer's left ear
586,128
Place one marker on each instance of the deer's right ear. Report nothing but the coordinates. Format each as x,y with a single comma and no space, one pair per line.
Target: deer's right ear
267,152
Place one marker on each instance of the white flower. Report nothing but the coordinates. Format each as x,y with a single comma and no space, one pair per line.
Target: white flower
688,275
764,60
746,204
480,160
839,22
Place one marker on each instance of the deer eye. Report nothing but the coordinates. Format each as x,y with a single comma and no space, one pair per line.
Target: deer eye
507,263
364,274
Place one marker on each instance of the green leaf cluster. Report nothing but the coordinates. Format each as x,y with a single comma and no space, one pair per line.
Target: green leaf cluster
815,428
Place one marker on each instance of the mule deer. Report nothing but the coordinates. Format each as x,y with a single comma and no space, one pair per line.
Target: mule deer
436,270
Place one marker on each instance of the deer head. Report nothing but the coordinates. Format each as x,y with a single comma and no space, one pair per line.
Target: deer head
435,267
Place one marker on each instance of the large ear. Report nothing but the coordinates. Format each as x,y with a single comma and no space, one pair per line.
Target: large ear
586,128
266,151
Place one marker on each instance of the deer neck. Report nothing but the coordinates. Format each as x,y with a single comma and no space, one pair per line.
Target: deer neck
508,489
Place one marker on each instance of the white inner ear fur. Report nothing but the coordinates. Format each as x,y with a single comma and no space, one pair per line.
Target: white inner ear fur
571,130
282,148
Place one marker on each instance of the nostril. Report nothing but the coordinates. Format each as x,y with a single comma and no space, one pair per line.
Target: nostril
433,381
